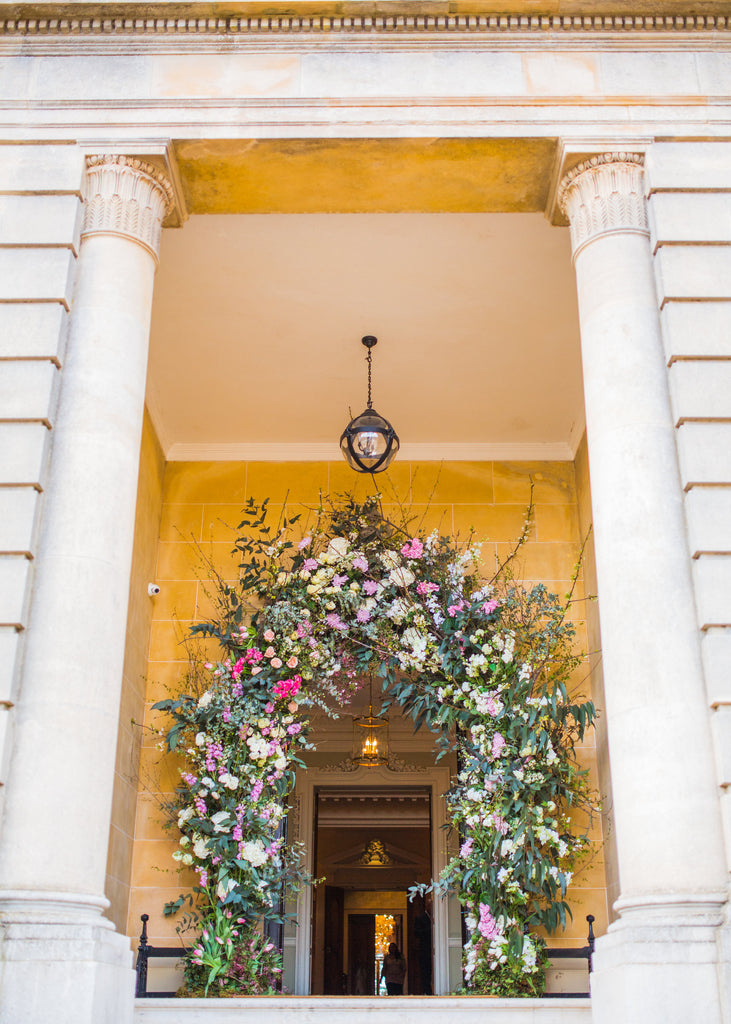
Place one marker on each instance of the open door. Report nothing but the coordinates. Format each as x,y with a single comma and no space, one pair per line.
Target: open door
420,940
334,979
362,954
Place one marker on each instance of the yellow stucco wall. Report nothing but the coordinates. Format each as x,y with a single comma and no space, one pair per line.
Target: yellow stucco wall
200,503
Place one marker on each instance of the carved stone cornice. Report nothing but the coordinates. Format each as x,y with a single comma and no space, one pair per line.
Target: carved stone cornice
604,195
176,19
128,197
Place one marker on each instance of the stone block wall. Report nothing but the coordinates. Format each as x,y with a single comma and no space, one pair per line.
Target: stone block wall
690,218
134,677
40,220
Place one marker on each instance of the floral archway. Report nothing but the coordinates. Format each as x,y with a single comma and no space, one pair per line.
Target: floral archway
485,664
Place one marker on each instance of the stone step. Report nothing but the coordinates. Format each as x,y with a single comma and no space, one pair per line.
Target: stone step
363,1010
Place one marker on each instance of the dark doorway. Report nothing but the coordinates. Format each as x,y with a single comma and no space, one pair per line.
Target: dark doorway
371,846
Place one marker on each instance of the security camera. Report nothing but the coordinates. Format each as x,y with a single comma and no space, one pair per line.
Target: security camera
152,589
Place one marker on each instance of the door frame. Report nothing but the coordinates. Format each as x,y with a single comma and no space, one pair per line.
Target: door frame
436,779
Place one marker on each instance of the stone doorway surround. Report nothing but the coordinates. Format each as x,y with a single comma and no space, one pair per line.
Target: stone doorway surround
396,775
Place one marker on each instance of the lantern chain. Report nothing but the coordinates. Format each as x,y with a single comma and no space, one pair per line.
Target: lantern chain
369,358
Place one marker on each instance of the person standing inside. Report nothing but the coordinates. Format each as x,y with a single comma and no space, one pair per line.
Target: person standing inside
394,971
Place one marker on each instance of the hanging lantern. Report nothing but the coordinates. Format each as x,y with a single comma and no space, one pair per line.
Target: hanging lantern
370,739
369,443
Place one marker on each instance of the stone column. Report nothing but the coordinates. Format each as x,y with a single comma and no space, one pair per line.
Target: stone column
658,961
61,959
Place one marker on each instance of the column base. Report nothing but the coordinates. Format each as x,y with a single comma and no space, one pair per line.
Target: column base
61,961
659,963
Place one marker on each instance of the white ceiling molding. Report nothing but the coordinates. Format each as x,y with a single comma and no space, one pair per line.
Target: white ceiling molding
559,451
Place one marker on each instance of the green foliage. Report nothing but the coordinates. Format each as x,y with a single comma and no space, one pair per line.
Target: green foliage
486,665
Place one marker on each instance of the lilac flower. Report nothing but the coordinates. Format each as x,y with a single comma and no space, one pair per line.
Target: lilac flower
335,622
363,615
370,587
338,581
498,745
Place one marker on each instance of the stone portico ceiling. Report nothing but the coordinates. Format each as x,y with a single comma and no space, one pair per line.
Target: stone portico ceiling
297,248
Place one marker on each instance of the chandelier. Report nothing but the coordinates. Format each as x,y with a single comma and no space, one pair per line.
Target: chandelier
370,738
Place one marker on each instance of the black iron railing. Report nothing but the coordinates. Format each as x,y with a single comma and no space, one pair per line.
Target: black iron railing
574,953
147,952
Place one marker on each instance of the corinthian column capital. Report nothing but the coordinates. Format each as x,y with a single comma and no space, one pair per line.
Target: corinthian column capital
128,197
604,195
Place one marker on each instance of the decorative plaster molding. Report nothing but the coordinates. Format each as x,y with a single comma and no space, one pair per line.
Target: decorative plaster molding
176,23
128,197
604,195
395,764
550,451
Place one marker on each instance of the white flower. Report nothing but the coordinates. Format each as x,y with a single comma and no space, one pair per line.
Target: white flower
338,546
228,780
185,815
186,859
401,577
254,852
200,739
258,746
389,559
222,890
205,699
218,820
200,848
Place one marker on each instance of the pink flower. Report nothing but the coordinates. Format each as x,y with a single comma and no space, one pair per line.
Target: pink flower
487,926
303,543
498,745
294,728
413,549
255,670
309,564
370,587
291,662
489,607
500,824
338,581
466,848
269,635
363,615
335,622
236,670
455,608
237,690
359,562
269,652
253,655
276,662
303,629
424,588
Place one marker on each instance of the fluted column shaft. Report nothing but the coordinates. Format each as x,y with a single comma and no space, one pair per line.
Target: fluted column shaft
664,798
54,842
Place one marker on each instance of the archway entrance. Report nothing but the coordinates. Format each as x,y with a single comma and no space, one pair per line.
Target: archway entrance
371,846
